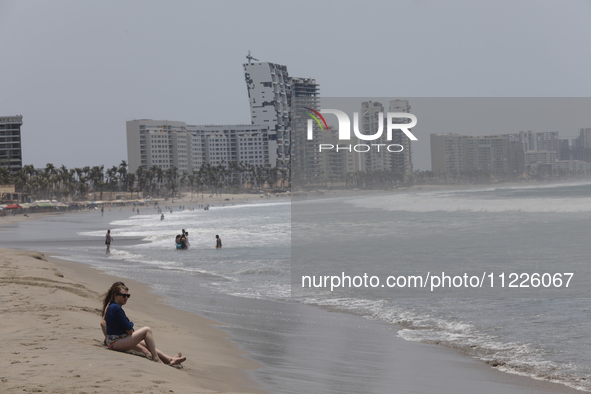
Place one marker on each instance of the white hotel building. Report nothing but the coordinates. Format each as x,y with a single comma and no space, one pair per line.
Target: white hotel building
167,144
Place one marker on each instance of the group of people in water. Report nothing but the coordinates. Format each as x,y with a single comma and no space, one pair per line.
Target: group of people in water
182,240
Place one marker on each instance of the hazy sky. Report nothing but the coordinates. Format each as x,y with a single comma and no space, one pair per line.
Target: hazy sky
77,70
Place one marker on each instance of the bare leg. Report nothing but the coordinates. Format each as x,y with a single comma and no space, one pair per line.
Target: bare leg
131,341
166,359
141,347
177,359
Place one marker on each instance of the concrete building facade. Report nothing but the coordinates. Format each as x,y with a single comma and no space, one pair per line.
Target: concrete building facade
269,95
223,144
304,154
167,144
161,143
10,142
453,154
374,160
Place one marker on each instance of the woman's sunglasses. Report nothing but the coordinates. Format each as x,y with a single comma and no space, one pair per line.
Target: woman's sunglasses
124,295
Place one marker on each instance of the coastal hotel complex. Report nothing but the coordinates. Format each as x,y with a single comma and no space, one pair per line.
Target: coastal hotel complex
10,142
276,136
542,153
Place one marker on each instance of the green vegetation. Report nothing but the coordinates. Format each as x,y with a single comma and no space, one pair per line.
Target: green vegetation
77,183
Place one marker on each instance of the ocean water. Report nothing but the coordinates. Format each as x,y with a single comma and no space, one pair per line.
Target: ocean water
539,331
534,322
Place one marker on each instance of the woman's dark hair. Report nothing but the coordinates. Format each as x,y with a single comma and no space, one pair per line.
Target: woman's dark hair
109,296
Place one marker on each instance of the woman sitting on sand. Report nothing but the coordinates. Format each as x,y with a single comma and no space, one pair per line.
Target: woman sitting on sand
119,331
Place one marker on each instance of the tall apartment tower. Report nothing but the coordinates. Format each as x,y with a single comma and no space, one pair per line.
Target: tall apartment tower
400,162
584,139
304,152
10,142
582,146
269,93
370,123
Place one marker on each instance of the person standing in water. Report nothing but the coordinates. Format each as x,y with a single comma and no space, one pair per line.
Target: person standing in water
218,242
108,240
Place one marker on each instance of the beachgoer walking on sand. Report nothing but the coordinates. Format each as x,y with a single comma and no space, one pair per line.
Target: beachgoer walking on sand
108,240
120,334
218,242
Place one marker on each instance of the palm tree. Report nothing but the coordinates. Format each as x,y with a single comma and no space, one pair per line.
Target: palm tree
49,173
122,170
111,174
130,183
159,176
140,175
171,180
183,180
97,178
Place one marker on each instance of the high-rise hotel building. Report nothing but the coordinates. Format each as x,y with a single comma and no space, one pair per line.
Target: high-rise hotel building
400,162
10,142
156,143
305,158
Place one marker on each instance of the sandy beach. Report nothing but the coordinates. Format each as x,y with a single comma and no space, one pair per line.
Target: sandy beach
53,344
